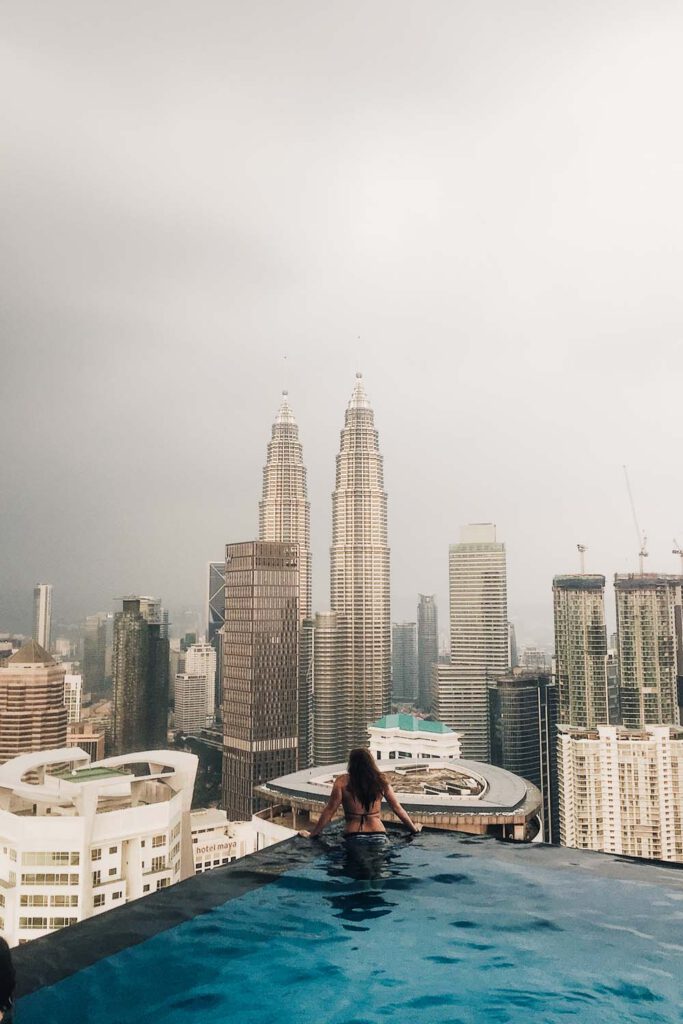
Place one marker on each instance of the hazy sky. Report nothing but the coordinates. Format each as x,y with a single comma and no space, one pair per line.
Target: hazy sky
476,204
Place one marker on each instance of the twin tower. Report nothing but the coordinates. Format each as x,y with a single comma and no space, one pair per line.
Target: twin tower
346,651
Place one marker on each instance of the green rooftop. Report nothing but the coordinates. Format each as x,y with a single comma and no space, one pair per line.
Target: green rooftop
409,724
88,774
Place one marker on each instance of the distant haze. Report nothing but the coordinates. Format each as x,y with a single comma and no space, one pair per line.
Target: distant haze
476,204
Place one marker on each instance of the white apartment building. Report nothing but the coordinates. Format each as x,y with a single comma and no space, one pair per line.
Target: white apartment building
217,841
200,660
73,692
42,614
190,702
89,836
403,736
621,790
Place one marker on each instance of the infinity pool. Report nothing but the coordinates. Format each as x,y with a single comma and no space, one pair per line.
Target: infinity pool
445,929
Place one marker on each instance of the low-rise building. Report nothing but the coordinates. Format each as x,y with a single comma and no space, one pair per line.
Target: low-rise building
85,837
405,736
217,841
621,790
88,736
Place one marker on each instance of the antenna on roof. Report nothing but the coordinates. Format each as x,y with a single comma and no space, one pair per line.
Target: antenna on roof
677,551
642,539
582,549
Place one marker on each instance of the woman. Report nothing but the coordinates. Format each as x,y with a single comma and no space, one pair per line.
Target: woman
360,792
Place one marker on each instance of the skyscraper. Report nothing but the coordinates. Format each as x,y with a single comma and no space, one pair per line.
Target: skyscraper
329,738
42,614
261,669
479,631
359,576
32,710
649,639
140,671
523,708
200,660
95,655
427,648
215,617
285,518
191,698
581,650
404,662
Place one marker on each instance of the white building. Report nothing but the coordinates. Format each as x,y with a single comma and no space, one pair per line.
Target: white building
73,692
404,736
42,614
621,790
88,837
200,660
190,702
217,841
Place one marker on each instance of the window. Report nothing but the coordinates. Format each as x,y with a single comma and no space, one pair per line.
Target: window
99,900
158,864
96,854
62,900
62,922
158,840
146,887
96,877
48,879
42,858
113,849
117,895
33,922
162,883
112,871
33,901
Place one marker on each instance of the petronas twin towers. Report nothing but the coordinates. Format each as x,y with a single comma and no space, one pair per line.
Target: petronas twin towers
352,658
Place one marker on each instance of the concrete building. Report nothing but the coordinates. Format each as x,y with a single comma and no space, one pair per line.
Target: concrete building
33,715
427,648
479,632
524,709
261,670
330,692
191,698
140,671
649,647
200,660
394,737
581,649
359,569
215,617
621,790
89,737
88,837
42,615
217,841
404,663
73,695
95,655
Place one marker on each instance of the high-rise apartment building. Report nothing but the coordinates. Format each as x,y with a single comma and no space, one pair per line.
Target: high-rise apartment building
329,737
140,672
427,648
190,702
95,655
581,649
32,710
285,518
359,569
404,662
261,669
73,695
524,710
479,631
42,615
649,642
200,660
621,790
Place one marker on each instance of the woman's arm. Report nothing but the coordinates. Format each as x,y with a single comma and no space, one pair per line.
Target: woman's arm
390,798
329,812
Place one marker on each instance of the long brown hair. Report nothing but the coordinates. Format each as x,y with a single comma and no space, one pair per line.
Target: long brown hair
366,781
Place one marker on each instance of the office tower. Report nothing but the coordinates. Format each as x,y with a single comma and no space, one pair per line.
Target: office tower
581,649
329,737
649,643
140,670
359,576
88,736
523,708
261,665
191,698
427,648
200,660
306,707
95,655
32,711
621,790
215,618
42,614
404,662
479,631
513,655
73,694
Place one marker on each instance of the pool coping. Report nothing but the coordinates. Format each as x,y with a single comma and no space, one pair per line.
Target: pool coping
51,958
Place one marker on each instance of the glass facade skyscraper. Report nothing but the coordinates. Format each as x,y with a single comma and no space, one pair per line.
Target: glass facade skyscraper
140,668
404,662
581,650
427,648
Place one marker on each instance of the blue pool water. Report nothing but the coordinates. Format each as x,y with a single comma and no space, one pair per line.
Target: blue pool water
444,936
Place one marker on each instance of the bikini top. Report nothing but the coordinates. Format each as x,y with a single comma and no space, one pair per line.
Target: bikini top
360,814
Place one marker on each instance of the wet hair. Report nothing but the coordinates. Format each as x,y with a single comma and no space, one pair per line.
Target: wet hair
366,781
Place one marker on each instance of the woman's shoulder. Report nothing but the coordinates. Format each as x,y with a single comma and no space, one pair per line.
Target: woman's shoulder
342,781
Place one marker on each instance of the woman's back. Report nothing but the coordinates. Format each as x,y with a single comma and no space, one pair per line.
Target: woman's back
359,816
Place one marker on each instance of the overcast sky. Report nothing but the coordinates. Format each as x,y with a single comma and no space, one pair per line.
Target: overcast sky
478,205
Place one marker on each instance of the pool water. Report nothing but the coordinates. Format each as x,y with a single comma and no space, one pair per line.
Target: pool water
433,932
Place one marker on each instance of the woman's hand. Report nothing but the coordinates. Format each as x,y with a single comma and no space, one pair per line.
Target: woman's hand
418,828
304,834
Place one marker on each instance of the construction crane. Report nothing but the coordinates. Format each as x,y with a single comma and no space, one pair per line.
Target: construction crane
677,551
642,539
582,549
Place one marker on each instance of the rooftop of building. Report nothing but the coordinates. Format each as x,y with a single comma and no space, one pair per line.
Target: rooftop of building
31,653
645,580
409,723
621,732
579,581
90,774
